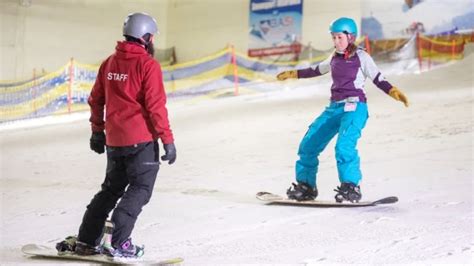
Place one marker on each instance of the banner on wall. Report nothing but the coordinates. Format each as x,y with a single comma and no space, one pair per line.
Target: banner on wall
275,27
402,18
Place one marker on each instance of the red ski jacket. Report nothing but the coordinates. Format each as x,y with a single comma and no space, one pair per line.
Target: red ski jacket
129,85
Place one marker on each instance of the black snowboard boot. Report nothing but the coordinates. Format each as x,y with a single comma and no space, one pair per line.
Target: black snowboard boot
85,249
348,192
67,245
302,192
128,250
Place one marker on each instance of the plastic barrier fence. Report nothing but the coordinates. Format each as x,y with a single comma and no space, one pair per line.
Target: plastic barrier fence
67,89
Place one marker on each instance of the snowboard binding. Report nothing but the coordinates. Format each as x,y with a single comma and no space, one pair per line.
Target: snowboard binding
127,250
348,192
302,192
67,245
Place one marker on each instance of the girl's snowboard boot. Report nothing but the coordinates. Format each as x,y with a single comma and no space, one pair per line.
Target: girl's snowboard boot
127,250
302,192
348,192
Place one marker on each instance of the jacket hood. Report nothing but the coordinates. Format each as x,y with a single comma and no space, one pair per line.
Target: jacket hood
127,50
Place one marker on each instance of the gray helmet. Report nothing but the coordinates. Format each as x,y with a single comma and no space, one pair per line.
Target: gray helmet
138,24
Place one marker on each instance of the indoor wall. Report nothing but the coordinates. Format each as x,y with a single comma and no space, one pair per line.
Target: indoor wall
45,34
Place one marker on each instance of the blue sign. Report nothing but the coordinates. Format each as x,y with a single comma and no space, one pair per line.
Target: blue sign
275,27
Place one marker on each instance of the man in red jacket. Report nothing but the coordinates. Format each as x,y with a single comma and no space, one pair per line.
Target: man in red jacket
129,91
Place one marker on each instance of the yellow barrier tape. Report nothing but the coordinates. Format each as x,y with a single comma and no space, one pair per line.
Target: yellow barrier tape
87,66
456,41
33,83
197,61
20,110
439,55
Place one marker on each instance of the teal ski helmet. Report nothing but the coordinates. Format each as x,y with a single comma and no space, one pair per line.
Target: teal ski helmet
345,25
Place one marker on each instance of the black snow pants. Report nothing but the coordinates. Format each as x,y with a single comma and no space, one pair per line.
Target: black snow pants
130,176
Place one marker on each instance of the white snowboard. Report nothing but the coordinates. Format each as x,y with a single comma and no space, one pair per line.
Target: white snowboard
48,252
271,198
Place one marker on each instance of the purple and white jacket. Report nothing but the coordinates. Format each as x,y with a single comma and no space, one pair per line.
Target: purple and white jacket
348,75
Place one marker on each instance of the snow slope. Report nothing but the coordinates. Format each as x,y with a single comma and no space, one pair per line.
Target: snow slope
204,209
435,15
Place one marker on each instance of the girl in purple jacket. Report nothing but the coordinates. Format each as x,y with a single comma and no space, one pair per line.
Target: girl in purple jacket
345,116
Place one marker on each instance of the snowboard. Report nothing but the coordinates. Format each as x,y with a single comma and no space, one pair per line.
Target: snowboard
274,199
52,253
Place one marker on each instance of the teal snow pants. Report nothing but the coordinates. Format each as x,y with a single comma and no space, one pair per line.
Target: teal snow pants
334,120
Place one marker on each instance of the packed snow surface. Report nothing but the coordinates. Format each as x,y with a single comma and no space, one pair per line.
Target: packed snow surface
204,207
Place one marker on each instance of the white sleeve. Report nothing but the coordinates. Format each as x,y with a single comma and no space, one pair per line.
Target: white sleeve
368,66
320,69
370,70
325,66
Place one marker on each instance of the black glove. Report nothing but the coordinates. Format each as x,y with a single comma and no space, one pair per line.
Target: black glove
97,142
170,153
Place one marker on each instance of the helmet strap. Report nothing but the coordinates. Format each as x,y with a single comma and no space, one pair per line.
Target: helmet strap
148,44
350,41
350,37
